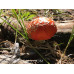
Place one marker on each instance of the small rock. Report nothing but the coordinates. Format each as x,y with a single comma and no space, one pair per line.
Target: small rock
15,61
0,60
8,59
2,56
4,62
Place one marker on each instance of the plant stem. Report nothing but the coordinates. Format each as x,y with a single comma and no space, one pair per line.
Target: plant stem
71,38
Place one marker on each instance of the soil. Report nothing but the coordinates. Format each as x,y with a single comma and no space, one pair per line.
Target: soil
49,49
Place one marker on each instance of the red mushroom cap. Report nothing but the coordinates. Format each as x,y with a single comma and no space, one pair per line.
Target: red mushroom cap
41,28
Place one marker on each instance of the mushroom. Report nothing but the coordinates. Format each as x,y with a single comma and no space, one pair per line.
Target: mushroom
41,28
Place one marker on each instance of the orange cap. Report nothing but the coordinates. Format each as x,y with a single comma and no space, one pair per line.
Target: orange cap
41,28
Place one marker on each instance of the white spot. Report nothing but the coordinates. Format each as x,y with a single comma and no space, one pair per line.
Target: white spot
43,19
52,23
40,21
37,24
48,22
34,22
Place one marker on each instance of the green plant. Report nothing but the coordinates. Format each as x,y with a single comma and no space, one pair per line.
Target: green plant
26,15
70,39
20,17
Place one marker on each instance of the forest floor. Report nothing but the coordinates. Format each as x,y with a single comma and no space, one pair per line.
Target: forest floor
53,54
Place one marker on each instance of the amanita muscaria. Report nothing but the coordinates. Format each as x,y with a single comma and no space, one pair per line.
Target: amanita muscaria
41,28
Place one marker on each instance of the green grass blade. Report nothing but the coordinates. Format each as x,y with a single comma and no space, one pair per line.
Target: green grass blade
18,19
24,28
30,17
18,16
71,38
26,14
13,28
